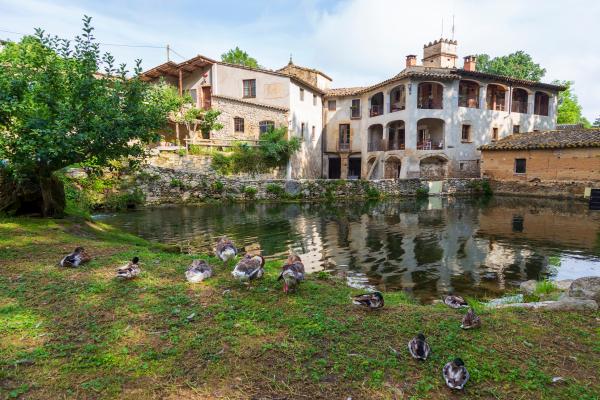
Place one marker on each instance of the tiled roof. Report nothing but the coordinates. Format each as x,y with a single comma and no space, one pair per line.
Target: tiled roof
251,103
344,91
557,139
508,79
316,71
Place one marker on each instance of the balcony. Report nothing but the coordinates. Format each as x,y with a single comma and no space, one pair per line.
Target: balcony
376,146
375,110
430,145
344,147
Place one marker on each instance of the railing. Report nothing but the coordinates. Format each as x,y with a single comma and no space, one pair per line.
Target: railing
376,146
468,101
430,104
344,147
396,146
430,145
224,142
397,107
375,110
519,106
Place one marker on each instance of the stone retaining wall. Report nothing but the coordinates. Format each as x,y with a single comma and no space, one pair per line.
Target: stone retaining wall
552,189
167,186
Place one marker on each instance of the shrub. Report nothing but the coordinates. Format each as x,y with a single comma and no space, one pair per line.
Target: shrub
372,193
544,287
124,200
422,191
217,186
479,187
275,189
250,192
176,183
221,163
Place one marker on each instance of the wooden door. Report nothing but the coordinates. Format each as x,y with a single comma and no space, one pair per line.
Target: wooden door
206,97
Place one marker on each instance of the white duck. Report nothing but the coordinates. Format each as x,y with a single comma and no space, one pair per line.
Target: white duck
225,250
292,273
131,270
198,271
249,268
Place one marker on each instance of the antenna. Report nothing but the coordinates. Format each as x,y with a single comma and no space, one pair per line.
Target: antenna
291,58
452,26
442,27
168,53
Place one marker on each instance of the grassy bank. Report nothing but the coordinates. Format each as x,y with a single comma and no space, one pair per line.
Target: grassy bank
81,334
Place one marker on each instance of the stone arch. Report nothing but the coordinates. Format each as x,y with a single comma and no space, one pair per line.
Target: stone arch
392,167
375,138
396,135
433,167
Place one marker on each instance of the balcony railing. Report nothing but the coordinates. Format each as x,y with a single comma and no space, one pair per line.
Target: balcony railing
430,145
519,106
375,110
376,146
396,146
344,147
430,104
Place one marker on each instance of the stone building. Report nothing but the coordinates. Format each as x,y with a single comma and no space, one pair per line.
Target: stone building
252,100
429,120
425,122
558,155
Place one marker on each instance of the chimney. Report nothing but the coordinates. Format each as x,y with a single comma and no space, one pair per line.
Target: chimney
470,63
411,60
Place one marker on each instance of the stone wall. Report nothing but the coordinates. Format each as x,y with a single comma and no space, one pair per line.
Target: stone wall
167,186
536,188
252,114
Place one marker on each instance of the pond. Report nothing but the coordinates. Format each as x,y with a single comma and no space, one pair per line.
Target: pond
430,247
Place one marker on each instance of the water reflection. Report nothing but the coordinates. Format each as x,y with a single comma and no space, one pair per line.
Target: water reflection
428,248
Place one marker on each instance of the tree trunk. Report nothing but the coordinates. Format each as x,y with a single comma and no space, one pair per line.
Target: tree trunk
53,196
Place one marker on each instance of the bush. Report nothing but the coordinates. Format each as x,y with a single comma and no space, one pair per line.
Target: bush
221,163
544,287
372,193
217,186
479,187
176,183
250,192
422,191
275,189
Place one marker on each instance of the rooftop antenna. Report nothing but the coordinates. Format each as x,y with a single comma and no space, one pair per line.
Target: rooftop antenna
452,26
168,53
442,27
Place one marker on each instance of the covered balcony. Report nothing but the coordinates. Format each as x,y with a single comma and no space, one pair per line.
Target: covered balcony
398,98
519,101
468,94
396,135
430,96
496,98
430,134
376,104
375,135
541,104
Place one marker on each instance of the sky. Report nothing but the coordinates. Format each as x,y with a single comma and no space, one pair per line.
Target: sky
356,42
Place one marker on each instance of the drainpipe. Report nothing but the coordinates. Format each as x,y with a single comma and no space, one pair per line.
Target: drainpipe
323,136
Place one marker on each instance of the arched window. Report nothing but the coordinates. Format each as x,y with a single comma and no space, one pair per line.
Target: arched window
376,105
468,94
496,98
542,101
238,125
266,126
397,99
430,95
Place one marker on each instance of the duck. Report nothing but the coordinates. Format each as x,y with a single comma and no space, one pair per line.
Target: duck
225,249
455,374
198,271
131,270
418,347
249,268
471,320
455,301
292,273
76,258
371,301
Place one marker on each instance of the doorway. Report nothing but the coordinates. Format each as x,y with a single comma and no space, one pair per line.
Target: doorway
335,168
354,168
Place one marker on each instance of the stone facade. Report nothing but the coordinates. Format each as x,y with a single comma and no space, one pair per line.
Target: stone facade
252,114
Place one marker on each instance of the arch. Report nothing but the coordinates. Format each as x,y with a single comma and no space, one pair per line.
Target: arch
430,134
392,167
519,100
375,138
396,135
430,95
433,167
541,103
468,94
376,104
496,97
398,98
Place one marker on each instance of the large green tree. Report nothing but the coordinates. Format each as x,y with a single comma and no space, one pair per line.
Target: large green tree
518,65
239,56
56,110
569,110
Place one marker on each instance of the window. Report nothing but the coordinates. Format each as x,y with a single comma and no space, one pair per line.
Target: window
517,223
540,107
494,133
355,108
519,101
516,128
301,94
344,140
302,129
250,88
461,166
520,165
466,133
313,133
194,96
238,125
331,105
468,94
314,99
496,98
265,126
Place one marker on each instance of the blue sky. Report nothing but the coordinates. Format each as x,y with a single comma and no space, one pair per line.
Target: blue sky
356,42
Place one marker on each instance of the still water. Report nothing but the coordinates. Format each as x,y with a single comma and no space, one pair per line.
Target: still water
425,247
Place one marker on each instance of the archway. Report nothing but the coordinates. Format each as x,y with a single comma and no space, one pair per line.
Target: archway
433,168
430,134
375,134
392,168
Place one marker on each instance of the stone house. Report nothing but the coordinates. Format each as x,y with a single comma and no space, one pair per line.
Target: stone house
429,120
557,155
251,100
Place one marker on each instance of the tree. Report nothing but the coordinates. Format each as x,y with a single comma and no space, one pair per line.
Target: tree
518,65
238,56
569,110
597,123
56,110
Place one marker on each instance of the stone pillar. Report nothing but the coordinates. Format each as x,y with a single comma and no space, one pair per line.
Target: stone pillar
344,165
482,97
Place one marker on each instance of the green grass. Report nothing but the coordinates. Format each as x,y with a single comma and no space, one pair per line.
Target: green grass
79,333
544,287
